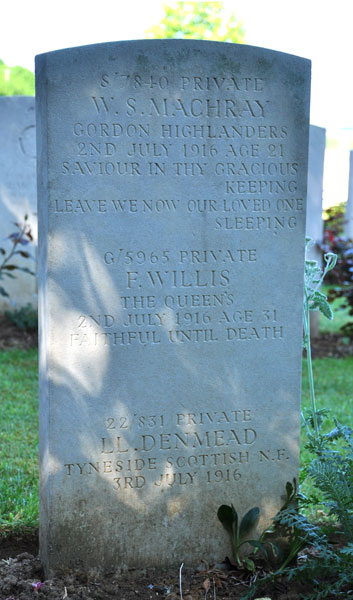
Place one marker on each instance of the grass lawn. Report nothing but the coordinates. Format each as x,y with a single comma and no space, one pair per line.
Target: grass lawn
19,426
333,379
18,439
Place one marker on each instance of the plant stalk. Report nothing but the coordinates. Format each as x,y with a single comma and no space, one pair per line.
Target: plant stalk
307,344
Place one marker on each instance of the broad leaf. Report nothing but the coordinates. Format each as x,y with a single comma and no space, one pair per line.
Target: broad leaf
228,517
289,489
25,270
249,521
23,253
319,301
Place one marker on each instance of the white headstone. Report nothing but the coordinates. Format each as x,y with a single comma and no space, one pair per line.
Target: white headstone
18,190
172,186
314,220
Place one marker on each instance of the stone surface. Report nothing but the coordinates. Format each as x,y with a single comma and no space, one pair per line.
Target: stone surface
172,186
314,221
348,222
18,190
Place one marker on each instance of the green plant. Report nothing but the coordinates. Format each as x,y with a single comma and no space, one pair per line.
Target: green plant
282,540
331,469
314,299
198,20
21,237
16,81
25,318
228,516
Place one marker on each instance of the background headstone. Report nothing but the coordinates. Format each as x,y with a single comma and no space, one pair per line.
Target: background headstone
172,186
18,190
348,217
314,220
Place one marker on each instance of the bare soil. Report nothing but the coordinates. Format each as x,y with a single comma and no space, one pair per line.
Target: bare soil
331,345
21,573
22,578
13,337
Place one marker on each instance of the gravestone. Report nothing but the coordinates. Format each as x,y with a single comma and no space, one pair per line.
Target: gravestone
348,217
172,186
314,221
18,189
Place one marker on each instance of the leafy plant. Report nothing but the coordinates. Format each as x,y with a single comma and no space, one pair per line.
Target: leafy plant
16,81
228,516
278,543
282,540
198,20
314,299
21,237
332,468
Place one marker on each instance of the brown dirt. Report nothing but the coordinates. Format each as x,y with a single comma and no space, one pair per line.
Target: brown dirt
21,572
13,337
332,346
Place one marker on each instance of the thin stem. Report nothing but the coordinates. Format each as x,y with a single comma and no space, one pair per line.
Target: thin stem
294,551
305,424
7,258
180,582
236,546
14,246
307,344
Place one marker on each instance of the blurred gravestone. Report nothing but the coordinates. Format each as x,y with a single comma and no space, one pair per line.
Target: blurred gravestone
172,186
18,190
314,221
348,217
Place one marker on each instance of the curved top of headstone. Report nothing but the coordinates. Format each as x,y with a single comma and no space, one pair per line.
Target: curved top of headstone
75,68
15,98
188,45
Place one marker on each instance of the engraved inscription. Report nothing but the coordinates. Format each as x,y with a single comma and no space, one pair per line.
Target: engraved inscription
177,322
214,446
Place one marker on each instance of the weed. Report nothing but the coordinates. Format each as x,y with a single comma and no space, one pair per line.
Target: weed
228,516
21,237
